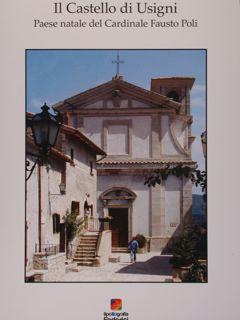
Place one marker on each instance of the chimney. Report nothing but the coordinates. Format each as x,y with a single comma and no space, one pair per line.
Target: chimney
67,118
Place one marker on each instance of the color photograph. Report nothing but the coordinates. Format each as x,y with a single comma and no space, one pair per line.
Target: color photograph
116,174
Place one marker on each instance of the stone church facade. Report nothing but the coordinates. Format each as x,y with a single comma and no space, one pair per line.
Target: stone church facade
141,131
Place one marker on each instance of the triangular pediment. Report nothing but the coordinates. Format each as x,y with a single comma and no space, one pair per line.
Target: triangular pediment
116,94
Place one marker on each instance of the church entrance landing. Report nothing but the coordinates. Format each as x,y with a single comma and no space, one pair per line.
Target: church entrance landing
119,226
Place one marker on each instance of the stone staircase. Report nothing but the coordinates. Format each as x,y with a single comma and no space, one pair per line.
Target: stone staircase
86,250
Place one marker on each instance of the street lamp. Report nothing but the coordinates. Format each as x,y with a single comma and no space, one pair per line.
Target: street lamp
45,128
62,188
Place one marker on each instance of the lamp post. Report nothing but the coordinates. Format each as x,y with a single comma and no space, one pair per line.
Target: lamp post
204,143
45,128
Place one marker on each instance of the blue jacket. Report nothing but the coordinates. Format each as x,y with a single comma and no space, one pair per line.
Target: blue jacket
133,246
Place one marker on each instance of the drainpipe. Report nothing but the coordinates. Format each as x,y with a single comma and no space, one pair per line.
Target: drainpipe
39,208
26,241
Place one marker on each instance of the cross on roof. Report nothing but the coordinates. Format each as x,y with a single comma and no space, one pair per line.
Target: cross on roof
118,61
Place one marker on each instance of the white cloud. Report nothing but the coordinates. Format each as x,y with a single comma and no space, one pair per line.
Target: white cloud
198,102
199,89
198,97
197,153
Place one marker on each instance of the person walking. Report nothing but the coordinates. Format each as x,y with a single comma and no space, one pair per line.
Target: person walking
133,246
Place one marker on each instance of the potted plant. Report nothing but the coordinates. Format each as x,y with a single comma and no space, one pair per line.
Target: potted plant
197,273
185,249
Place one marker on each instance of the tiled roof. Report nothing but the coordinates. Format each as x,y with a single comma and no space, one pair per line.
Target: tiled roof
53,152
189,80
118,161
77,134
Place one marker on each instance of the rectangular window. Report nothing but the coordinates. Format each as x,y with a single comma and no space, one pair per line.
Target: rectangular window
91,168
75,207
63,174
72,154
56,223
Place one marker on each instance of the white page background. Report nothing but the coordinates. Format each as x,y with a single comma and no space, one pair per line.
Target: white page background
218,32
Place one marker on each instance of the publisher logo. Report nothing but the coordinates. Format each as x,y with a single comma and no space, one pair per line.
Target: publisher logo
116,304
116,313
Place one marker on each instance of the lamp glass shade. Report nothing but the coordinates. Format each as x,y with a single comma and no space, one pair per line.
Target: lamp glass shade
52,133
62,188
40,130
45,129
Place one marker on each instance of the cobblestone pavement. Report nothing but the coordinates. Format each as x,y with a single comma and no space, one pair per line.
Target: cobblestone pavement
150,267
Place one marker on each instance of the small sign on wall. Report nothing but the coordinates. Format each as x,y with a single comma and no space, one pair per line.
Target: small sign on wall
173,224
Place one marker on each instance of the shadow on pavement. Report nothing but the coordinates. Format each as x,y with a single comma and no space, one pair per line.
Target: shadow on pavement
158,265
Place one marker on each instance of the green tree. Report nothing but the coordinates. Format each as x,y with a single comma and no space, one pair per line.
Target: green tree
74,225
198,177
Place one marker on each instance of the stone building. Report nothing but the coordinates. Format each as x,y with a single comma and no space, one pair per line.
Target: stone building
141,131
72,163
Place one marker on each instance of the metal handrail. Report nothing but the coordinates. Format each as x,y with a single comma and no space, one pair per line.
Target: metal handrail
48,249
93,224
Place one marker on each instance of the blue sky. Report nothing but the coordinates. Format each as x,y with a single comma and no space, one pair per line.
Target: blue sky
54,75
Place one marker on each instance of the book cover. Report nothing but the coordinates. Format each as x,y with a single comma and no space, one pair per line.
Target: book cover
120,147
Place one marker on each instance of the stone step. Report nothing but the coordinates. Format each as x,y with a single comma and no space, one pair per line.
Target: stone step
85,255
88,242
86,264
91,233
91,245
89,237
83,247
83,259
79,249
120,250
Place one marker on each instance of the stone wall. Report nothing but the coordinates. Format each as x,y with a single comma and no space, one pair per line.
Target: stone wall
55,265
105,247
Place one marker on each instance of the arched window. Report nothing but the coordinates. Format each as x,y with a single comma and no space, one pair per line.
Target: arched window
56,223
173,95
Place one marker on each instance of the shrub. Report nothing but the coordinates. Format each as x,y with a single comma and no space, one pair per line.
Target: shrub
141,240
186,247
197,273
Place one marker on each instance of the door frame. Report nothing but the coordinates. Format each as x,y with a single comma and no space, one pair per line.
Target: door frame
129,213
119,193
